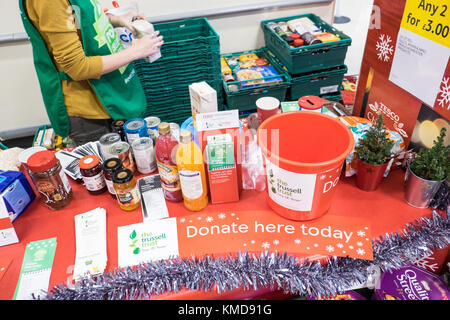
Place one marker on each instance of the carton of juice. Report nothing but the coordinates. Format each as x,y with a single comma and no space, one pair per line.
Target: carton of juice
203,99
222,171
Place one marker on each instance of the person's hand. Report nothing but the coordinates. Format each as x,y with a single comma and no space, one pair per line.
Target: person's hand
126,20
147,45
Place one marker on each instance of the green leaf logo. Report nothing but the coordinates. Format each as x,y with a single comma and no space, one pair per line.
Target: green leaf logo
133,234
136,251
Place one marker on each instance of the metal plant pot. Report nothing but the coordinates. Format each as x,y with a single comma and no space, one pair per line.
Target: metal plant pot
419,192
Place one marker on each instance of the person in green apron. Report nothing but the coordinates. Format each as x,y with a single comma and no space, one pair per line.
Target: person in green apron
87,78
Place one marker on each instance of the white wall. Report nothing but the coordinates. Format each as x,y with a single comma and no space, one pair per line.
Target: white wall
21,103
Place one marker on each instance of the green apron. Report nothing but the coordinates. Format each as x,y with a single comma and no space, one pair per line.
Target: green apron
120,91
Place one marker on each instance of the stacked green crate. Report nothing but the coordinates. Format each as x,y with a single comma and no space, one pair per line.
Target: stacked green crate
191,53
244,99
317,69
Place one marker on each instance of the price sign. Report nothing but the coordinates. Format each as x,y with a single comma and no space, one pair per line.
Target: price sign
429,19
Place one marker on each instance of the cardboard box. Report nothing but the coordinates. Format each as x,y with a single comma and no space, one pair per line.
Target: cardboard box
217,123
16,192
7,233
222,172
203,98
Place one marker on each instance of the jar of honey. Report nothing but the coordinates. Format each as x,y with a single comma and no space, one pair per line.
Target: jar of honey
126,189
92,171
109,168
50,180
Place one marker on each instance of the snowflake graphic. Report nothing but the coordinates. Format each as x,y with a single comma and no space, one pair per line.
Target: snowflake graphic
182,220
427,262
444,93
361,252
253,241
359,244
297,241
316,245
323,177
340,245
209,219
245,244
276,242
265,245
199,218
329,248
233,214
222,216
384,48
361,233
351,247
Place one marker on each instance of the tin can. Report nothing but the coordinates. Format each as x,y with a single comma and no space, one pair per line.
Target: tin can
106,141
135,129
175,130
117,127
144,154
121,150
152,125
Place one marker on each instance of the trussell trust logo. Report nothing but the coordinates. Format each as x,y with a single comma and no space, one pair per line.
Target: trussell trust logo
145,241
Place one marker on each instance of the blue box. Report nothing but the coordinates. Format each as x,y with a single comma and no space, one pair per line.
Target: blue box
16,192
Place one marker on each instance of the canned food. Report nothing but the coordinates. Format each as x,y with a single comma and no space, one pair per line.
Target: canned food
106,141
135,129
144,154
122,151
152,124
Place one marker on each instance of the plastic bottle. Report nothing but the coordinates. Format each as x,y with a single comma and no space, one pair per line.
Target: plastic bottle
192,173
166,151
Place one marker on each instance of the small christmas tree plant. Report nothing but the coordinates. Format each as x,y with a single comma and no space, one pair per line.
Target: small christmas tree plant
373,153
426,172
433,164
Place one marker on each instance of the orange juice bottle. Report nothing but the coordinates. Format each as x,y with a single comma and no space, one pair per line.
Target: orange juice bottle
192,173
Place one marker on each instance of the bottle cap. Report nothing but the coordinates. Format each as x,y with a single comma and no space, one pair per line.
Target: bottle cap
88,162
299,42
295,36
42,161
164,128
186,136
123,176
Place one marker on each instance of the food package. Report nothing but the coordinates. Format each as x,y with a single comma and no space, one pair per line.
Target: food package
359,127
258,73
411,283
347,295
203,98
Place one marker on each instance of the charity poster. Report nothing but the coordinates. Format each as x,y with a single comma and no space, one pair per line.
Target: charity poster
250,231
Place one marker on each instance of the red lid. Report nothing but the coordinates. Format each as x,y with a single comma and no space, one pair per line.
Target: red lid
42,161
298,42
295,36
311,102
88,162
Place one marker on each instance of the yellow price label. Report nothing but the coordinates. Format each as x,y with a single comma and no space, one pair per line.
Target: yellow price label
429,19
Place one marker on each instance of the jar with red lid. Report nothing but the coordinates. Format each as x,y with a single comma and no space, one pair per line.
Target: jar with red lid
50,180
91,170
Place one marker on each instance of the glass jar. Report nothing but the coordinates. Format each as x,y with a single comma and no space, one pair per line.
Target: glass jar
92,171
50,180
109,168
117,127
126,190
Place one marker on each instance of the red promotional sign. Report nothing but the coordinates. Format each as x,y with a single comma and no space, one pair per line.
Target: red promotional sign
256,231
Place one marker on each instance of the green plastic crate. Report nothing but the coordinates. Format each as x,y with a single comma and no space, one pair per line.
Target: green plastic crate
245,98
188,34
307,58
337,96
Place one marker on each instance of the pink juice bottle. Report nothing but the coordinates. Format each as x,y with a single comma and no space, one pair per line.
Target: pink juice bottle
166,152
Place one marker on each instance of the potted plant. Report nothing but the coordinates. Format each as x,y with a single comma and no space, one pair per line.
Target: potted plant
373,153
426,172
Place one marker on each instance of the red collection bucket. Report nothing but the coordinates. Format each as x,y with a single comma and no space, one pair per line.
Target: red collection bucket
304,153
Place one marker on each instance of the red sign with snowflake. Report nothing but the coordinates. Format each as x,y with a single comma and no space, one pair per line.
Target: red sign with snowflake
256,231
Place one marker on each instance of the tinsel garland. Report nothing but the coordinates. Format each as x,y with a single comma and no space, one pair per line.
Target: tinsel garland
267,270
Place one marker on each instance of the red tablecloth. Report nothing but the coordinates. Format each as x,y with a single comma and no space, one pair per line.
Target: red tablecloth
385,208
